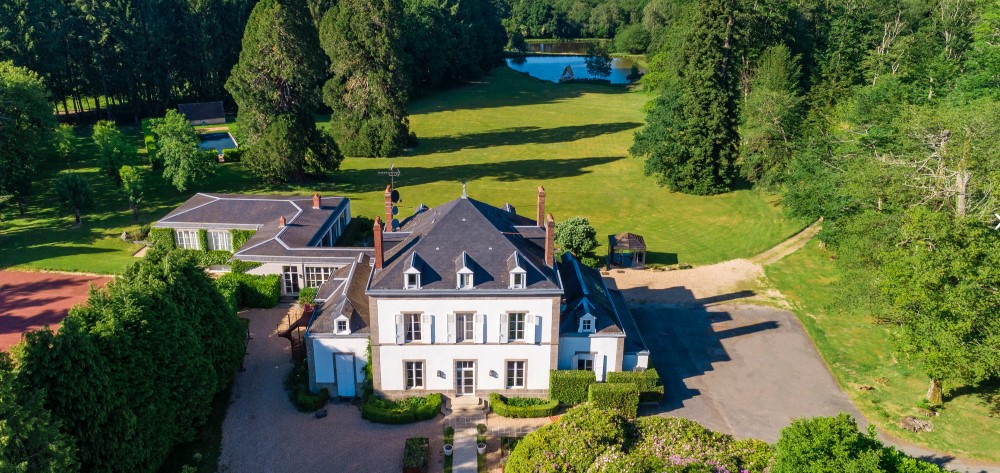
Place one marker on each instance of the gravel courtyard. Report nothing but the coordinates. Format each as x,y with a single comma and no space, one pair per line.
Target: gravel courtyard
264,433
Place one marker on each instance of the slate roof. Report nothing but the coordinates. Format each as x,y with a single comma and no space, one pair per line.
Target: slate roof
271,242
489,236
586,293
344,294
202,111
627,241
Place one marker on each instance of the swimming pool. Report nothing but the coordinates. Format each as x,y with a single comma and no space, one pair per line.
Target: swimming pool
216,141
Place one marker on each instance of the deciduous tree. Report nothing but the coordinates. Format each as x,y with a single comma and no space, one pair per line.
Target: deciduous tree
132,186
74,194
114,149
576,235
25,122
177,146
64,141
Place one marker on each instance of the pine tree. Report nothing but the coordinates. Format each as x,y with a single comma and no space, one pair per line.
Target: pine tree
277,79
366,90
691,140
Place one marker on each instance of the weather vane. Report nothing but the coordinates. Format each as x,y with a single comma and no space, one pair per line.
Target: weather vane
393,173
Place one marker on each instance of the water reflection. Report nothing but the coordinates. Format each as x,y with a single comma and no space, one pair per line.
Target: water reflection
551,68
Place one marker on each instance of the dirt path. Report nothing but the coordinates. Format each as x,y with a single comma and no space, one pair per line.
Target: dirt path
788,246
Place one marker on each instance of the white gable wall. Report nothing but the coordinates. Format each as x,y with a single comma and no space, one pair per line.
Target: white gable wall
603,349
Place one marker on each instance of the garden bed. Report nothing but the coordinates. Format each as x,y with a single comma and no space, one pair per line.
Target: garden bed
401,411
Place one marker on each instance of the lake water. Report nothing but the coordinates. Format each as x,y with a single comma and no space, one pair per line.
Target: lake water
551,68
216,141
560,47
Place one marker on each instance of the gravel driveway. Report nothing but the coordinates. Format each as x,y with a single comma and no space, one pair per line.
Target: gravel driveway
264,433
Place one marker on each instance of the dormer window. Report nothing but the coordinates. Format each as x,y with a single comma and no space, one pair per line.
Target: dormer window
413,281
587,324
518,275
517,280
465,280
464,271
342,326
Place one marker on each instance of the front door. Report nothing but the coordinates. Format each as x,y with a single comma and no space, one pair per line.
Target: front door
465,378
345,374
290,276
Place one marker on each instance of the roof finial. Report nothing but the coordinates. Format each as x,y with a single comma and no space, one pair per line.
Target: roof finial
464,194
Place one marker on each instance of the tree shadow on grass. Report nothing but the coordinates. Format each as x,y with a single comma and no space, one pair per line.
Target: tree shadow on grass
988,391
356,181
519,136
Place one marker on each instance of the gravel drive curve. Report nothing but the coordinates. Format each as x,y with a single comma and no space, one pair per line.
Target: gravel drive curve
264,433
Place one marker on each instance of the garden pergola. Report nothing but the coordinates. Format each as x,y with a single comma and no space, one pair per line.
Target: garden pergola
627,250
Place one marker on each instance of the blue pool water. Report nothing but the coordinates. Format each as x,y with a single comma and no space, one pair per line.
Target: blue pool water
550,68
216,141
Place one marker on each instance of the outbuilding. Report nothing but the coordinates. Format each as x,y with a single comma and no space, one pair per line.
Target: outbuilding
627,250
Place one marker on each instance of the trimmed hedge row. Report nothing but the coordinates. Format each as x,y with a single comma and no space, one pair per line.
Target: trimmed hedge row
570,386
622,397
648,382
162,238
403,411
506,407
261,291
416,450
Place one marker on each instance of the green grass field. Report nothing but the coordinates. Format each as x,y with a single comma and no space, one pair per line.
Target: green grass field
506,136
859,354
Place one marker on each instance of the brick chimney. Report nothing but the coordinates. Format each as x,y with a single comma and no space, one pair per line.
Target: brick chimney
550,241
377,231
281,221
540,220
317,201
388,208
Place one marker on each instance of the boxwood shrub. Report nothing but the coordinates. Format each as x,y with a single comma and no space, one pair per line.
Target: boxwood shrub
648,382
297,387
162,238
262,291
232,155
415,452
402,411
570,386
622,397
307,295
522,407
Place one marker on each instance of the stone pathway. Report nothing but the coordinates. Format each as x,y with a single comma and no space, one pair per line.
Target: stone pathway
465,418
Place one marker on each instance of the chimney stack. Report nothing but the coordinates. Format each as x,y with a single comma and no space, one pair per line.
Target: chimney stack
317,201
388,208
377,231
550,241
540,220
281,221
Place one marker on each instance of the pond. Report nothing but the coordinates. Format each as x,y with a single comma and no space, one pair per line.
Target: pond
550,68
216,141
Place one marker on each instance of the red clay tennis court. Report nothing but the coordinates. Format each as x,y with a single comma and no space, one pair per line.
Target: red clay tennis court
29,301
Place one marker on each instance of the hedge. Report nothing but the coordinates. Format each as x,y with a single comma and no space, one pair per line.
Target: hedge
403,411
261,291
240,237
648,382
570,386
162,238
297,387
622,397
529,407
240,266
307,295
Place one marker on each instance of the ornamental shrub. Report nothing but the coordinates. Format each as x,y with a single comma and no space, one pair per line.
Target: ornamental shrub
232,155
522,407
297,387
261,291
162,238
401,411
648,382
240,266
621,397
570,386
307,295
570,444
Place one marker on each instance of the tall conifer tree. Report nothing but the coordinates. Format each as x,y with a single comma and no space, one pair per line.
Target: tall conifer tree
276,85
691,140
366,90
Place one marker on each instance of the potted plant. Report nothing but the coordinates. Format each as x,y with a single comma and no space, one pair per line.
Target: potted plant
449,435
448,449
481,439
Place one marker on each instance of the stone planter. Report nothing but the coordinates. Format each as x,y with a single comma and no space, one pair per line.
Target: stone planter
481,448
448,449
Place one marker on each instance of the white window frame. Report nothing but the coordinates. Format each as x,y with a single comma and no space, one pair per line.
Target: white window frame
412,328
346,326
187,239
220,240
585,359
516,370
315,276
414,374
586,325
465,327
518,280
514,319
465,281
414,284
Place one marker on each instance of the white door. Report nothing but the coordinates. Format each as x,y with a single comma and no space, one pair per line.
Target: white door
345,374
290,276
465,378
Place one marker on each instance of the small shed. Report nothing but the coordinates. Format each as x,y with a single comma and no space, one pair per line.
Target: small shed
627,250
203,113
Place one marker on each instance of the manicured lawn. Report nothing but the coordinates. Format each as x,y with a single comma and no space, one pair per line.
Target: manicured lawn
505,136
858,353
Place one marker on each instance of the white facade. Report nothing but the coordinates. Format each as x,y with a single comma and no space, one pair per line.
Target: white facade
602,351
439,350
338,364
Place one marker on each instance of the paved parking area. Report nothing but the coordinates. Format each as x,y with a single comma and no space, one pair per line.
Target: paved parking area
264,433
